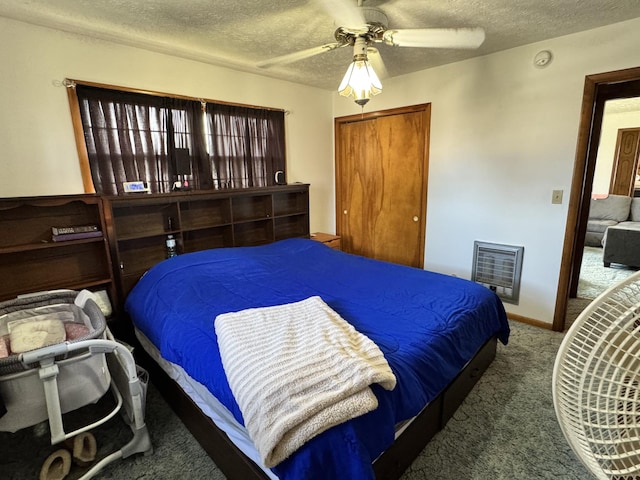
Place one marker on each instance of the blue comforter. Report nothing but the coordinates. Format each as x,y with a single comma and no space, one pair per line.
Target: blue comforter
427,325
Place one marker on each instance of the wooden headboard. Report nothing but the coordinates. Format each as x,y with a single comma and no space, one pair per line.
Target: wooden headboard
139,224
30,259
134,231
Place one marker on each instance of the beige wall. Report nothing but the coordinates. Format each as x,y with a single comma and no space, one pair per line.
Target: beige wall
503,137
38,154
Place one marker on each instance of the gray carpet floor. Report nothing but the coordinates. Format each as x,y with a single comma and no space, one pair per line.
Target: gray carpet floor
505,429
595,278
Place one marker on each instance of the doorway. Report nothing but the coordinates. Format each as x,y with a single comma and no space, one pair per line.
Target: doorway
597,90
615,174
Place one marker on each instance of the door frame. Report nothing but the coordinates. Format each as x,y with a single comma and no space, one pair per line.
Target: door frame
425,108
597,89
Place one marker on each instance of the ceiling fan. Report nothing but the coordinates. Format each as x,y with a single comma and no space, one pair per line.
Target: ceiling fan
363,27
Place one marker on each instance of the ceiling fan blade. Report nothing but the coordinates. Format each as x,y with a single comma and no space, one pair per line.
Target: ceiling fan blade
375,59
435,37
345,13
300,55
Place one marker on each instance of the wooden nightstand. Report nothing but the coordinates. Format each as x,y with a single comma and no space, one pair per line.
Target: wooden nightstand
329,240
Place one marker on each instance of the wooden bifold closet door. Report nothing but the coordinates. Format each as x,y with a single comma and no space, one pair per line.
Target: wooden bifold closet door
381,184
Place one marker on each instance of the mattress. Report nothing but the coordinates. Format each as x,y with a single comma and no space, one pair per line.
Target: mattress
427,325
206,402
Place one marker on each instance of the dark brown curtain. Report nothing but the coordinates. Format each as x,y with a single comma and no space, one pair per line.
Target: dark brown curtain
134,137
246,145
126,139
186,131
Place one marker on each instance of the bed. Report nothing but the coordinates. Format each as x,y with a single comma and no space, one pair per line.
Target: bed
438,333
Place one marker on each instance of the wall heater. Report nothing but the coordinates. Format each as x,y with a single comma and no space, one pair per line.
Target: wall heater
498,267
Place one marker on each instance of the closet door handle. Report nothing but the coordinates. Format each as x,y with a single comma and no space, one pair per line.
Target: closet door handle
415,218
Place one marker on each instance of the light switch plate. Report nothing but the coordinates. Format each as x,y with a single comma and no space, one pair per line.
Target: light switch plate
556,197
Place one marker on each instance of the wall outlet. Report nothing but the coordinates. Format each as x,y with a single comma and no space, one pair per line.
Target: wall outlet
556,197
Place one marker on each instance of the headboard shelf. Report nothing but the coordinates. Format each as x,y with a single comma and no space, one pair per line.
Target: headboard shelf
30,261
134,232
138,225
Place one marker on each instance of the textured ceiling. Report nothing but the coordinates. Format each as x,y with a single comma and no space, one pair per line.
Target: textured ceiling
624,105
241,33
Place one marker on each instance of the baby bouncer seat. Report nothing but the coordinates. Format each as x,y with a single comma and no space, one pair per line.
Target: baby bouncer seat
43,383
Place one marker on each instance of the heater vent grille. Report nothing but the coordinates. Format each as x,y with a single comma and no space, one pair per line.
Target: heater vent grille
498,267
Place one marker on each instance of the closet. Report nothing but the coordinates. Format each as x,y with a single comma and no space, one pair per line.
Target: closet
381,183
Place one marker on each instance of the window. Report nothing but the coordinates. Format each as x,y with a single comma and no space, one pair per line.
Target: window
245,145
160,140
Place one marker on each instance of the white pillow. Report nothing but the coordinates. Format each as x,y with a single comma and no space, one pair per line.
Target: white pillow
33,333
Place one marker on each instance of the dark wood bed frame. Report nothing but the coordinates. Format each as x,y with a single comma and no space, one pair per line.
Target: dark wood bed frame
263,215
390,465
285,209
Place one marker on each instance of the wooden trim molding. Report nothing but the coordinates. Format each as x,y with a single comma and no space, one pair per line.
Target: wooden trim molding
71,81
529,321
81,146
382,113
588,131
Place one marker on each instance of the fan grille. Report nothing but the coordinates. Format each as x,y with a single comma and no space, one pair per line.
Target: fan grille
596,383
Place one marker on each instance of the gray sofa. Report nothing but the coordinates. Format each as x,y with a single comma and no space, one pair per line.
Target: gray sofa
614,223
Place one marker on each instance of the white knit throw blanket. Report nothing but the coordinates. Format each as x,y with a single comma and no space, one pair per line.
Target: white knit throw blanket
296,370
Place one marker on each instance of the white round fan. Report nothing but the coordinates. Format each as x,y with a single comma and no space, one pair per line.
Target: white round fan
596,383
371,26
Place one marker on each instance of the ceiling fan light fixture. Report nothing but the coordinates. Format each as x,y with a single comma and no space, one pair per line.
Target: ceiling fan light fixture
360,81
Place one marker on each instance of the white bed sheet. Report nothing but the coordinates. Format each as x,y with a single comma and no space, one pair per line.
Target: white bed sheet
209,404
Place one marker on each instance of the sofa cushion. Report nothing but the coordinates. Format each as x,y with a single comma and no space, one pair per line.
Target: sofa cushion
593,239
629,225
613,207
600,226
635,210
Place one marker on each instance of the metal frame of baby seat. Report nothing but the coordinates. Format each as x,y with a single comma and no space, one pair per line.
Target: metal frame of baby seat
128,390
